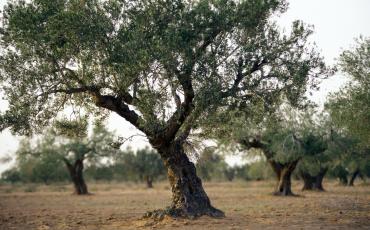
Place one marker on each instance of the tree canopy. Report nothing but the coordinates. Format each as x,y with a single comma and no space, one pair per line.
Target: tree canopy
148,56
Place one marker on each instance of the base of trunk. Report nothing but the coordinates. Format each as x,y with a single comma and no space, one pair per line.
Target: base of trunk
172,212
284,193
313,183
82,194
189,200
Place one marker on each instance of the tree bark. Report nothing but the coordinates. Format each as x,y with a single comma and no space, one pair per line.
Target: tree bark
76,173
149,182
319,178
308,181
188,196
353,178
313,182
283,173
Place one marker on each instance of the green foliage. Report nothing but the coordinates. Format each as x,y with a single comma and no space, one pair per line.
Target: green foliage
136,58
212,166
44,161
350,108
102,172
259,170
138,166
11,175
49,168
148,163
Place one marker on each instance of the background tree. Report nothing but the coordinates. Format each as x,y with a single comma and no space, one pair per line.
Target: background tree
211,165
43,161
79,147
37,163
315,163
349,158
350,108
160,65
148,165
283,135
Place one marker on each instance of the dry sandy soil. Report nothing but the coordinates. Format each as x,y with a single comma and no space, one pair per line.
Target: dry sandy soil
248,205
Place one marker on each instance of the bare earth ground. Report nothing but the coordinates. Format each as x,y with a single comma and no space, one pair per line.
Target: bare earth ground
248,205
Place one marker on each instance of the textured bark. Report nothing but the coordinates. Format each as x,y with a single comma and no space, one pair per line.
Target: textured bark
353,178
284,174
188,196
149,182
313,182
76,173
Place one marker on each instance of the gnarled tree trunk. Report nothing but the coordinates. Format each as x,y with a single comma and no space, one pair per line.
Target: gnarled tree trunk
76,173
353,178
188,196
308,180
284,174
313,182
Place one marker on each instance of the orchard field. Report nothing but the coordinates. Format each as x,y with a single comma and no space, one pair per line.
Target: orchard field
247,205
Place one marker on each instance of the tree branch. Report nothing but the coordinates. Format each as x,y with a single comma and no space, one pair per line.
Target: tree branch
117,105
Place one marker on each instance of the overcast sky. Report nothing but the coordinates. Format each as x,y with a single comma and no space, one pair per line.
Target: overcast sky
336,23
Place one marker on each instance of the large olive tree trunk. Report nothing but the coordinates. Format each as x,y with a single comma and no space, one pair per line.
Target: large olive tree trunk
76,173
283,173
188,196
313,182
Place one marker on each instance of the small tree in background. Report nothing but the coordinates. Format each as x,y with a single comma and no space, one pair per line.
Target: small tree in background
144,165
148,165
349,158
78,147
284,135
44,160
210,165
315,163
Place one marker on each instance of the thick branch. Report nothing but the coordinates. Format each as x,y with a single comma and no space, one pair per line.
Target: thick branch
117,104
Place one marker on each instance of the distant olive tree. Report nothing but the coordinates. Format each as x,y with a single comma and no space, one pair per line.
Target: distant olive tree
148,165
349,111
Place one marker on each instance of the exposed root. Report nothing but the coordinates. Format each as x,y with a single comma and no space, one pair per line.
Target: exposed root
174,213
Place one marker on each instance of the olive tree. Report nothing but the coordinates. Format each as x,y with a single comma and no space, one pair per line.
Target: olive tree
77,147
68,143
349,109
285,135
148,165
160,65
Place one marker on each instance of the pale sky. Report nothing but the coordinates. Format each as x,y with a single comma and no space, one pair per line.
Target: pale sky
336,23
